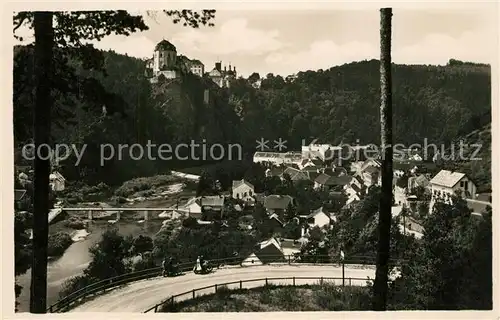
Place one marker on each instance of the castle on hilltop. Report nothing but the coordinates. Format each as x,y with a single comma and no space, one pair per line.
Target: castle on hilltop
167,63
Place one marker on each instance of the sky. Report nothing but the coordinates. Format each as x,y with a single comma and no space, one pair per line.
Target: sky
288,41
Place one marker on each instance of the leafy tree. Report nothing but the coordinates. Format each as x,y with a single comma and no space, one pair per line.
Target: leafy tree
315,249
142,244
254,77
290,213
259,213
206,185
451,268
107,256
292,230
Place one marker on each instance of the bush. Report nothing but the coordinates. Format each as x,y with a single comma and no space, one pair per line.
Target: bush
189,222
140,184
58,243
287,297
147,262
74,284
223,291
266,296
75,223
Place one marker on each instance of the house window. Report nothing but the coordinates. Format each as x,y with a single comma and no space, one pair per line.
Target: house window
466,184
461,184
250,193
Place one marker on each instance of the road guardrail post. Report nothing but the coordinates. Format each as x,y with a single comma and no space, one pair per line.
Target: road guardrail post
241,284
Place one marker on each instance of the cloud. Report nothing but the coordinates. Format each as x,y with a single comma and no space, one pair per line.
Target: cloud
320,55
439,48
232,37
433,49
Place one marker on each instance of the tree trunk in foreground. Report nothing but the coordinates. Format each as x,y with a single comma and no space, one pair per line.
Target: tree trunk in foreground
384,225
44,41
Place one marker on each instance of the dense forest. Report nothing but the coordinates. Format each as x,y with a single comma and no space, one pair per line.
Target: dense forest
118,105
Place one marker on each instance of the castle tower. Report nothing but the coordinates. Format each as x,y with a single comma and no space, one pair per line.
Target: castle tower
164,57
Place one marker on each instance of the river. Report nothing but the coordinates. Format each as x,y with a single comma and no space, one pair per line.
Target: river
77,257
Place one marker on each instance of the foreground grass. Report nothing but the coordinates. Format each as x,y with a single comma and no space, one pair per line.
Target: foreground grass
326,297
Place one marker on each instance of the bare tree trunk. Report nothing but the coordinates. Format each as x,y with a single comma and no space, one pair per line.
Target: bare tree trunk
44,41
384,224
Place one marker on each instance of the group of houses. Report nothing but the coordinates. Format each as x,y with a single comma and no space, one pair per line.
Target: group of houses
25,177
167,63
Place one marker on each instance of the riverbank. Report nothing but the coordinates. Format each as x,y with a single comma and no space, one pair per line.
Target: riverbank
85,233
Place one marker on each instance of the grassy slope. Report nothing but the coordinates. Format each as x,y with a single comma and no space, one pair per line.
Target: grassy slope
280,298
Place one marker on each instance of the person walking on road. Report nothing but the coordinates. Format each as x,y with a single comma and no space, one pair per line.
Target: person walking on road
197,266
164,266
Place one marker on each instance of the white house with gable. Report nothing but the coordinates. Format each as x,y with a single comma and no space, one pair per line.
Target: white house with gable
57,181
243,190
446,183
319,218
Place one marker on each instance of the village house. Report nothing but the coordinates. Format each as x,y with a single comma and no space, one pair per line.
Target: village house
320,151
370,172
192,207
295,174
277,158
319,218
274,172
421,181
269,251
290,246
212,207
310,163
408,167
326,182
277,203
353,192
446,183
407,155
243,190
57,181
275,223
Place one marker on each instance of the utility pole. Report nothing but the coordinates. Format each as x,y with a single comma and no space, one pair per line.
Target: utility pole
342,256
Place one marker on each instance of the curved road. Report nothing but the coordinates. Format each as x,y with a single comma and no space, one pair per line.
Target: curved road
141,295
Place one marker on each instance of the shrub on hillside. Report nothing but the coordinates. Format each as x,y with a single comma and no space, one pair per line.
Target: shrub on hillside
58,243
140,184
74,284
147,262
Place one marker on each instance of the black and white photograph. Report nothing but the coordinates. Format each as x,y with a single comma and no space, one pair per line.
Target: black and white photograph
295,157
